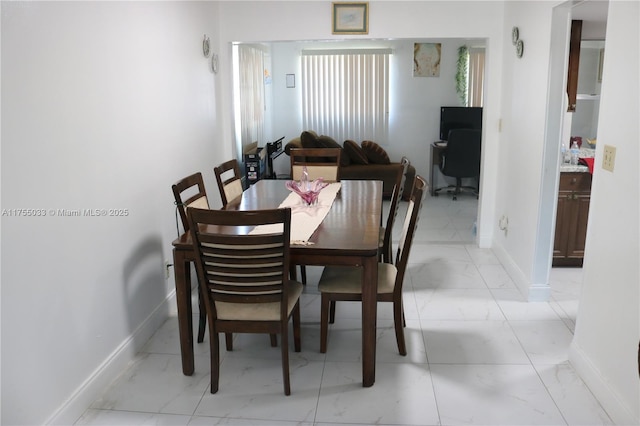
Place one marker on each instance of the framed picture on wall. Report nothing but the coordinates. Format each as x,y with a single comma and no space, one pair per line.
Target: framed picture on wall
426,59
350,18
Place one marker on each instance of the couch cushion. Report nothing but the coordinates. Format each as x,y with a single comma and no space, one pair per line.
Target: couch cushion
309,139
329,142
355,153
293,143
375,153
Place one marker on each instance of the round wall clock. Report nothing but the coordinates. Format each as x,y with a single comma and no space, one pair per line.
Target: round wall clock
206,46
515,35
519,48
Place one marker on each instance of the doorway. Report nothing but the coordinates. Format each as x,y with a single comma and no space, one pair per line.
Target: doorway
594,15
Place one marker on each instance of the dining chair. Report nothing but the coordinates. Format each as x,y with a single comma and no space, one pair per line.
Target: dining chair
340,283
229,180
244,278
320,163
190,192
386,232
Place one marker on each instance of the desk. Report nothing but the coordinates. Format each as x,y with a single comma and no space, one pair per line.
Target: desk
347,236
435,152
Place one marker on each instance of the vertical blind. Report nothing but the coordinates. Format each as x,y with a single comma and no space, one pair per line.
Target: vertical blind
345,94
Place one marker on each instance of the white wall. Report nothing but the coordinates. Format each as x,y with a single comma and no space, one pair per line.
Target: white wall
605,347
104,106
520,163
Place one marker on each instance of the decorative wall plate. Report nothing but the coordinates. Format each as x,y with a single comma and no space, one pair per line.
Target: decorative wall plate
515,35
206,46
214,63
519,48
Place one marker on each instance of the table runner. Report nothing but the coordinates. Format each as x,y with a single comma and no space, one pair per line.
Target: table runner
304,219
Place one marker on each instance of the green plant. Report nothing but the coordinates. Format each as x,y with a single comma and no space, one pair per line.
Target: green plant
462,74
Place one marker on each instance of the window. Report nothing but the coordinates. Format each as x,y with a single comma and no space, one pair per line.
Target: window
249,94
345,94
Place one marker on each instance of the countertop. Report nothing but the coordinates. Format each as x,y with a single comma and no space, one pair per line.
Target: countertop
584,153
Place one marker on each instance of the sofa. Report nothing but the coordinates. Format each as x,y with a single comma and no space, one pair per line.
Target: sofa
367,161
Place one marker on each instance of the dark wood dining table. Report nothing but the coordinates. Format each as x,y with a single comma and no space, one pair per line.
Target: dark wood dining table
348,235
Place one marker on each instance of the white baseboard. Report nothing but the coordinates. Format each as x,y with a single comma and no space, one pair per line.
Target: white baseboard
533,292
93,387
599,386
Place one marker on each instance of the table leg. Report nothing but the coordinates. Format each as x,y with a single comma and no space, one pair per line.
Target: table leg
183,301
369,318
434,153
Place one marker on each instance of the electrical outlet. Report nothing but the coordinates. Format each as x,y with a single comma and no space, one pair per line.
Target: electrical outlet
167,265
609,157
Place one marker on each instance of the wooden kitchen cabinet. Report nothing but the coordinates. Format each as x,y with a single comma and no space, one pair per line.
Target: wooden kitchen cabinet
574,196
574,64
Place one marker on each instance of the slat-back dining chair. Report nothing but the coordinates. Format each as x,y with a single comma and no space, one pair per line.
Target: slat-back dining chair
345,283
386,232
229,180
245,278
320,162
190,192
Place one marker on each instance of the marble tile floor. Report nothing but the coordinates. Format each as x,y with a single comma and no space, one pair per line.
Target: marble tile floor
478,354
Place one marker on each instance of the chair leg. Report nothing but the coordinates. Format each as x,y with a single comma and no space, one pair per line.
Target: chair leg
332,312
274,340
214,347
285,357
202,309
202,323
228,339
324,322
398,320
303,274
297,345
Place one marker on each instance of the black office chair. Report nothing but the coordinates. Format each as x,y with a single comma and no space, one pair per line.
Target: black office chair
461,159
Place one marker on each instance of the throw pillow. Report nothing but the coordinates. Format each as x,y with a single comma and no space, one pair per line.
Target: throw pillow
309,139
375,153
355,153
293,143
329,142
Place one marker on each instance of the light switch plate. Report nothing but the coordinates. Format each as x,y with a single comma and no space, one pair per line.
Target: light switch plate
609,157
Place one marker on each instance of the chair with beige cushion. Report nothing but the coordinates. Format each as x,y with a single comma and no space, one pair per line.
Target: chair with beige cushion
229,180
320,163
345,283
245,278
386,232
190,192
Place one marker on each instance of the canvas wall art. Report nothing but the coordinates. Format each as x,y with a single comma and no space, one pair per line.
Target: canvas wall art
426,59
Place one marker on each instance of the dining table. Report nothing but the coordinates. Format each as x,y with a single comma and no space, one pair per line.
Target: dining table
348,235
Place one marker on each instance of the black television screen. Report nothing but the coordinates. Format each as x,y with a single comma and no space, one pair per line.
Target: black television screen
459,118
